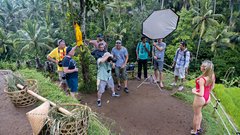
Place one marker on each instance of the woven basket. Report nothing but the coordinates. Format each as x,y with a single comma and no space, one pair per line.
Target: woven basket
21,98
77,124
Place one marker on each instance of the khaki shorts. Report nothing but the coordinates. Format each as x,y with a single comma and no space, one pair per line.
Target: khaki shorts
121,73
180,72
101,85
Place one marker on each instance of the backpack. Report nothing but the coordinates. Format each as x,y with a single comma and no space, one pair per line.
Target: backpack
185,52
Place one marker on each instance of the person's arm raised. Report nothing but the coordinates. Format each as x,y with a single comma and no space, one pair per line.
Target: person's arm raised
158,47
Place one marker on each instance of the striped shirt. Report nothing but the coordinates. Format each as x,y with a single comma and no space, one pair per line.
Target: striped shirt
180,60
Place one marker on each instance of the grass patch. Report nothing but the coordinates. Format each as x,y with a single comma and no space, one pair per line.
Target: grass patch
52,92
46,88
229,98
185,96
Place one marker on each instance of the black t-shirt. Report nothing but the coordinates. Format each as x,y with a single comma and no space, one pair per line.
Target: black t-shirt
71,64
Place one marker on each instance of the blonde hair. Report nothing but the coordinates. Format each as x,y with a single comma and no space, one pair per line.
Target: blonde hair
208,70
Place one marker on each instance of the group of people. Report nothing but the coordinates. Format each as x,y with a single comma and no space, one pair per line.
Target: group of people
106,61
66,67
180,62
204,83
118,59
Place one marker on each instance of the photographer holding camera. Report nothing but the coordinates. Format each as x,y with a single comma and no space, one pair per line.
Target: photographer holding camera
71,71
120,53
56,56
104,76
98,52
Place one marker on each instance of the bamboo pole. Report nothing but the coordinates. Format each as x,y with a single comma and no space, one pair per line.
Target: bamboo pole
44,99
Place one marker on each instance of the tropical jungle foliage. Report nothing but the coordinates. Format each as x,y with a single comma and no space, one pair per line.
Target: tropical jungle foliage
29,28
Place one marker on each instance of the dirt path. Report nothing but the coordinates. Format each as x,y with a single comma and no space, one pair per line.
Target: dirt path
145,111
13,120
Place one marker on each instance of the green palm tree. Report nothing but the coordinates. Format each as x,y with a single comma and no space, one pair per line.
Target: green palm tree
120,6
10,15
231,12
179,4
6,43
204,20
33,38
214,6
115,29
36,9
219,38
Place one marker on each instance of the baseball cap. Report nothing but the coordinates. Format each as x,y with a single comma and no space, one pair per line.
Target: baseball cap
100,35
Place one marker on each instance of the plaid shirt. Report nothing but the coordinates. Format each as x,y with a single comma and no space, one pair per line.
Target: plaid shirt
179,58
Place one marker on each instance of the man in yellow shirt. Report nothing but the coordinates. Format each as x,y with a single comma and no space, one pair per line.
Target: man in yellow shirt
56,56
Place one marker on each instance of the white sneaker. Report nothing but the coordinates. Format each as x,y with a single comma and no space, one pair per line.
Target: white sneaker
115,95
180,88
173,84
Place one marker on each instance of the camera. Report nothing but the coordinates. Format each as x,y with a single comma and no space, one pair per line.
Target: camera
130,67
111,59
64,77
60,64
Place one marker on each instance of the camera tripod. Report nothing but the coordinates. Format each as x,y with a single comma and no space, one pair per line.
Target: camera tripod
149,80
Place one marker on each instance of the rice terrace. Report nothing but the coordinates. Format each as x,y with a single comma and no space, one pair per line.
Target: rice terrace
119,67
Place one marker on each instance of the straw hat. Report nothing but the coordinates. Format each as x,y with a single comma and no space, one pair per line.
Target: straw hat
38,116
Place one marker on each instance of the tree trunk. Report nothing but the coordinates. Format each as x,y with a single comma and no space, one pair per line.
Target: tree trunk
83,58
185,4
199,42
82,16
214,6
162,4
141,6
231,12
104,20
238,5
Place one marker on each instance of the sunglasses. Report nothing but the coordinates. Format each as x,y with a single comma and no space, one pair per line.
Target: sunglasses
118,43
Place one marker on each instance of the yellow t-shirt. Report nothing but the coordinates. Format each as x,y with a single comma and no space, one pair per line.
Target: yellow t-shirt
58,54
